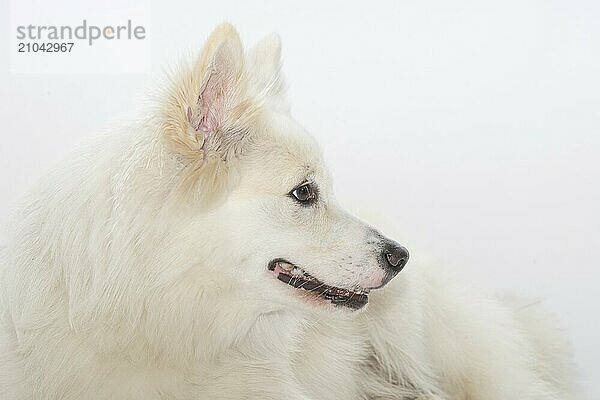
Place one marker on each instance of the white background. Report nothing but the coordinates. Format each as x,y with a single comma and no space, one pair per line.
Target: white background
469,132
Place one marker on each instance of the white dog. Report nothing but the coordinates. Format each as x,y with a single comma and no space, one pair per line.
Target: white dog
200,254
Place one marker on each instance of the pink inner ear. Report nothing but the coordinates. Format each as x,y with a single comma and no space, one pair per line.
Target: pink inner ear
211,104
205,126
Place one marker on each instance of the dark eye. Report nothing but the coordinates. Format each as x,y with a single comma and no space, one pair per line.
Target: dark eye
305,193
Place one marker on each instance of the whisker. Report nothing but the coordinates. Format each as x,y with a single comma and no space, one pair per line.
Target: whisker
317,287
302,285
350,298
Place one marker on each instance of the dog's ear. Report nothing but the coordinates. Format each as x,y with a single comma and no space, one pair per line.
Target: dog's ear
264,65
209,104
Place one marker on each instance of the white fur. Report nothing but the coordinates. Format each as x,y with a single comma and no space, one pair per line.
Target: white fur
139,271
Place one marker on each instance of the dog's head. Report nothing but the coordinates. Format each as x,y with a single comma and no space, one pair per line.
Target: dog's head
266,214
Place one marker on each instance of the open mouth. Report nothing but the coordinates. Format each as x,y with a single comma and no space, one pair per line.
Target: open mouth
298,278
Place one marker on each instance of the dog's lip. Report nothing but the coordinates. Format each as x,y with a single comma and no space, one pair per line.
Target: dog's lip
292,275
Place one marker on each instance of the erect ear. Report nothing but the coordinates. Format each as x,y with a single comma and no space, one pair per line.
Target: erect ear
264,70
208,105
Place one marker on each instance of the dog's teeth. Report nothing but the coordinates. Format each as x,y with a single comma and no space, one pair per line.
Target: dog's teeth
285,266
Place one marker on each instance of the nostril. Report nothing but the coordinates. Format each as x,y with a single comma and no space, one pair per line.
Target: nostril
394,259
396,256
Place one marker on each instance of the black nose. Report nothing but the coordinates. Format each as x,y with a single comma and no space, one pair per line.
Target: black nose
395,255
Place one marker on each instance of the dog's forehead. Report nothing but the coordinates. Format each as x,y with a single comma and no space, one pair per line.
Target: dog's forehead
293,144
283,147
292,136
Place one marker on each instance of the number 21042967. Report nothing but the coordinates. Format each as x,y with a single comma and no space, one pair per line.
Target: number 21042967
45,47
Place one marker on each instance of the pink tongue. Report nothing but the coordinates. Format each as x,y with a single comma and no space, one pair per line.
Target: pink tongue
278,270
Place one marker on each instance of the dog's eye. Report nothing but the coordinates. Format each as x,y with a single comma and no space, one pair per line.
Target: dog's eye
305,193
